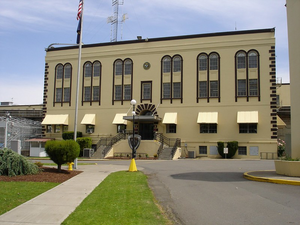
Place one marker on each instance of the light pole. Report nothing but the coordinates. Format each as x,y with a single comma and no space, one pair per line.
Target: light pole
132,167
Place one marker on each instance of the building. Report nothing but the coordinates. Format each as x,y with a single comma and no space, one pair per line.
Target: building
199,89
293,17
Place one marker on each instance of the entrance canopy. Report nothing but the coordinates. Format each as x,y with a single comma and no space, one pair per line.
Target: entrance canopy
247,117
56,120
143,118
170,118
207,117
89,119
119,119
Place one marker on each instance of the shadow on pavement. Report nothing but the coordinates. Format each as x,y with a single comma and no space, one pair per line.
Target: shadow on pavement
211,176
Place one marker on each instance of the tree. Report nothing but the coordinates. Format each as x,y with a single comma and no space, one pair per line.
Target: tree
63,151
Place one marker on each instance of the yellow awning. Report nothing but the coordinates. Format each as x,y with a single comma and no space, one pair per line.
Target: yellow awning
119,119
280,122
56,119
207,117
170,118
89,119
247,117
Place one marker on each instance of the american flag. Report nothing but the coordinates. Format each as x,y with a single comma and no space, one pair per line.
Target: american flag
79,10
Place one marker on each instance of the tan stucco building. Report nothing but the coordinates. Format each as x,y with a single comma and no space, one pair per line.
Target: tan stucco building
293,18
199,89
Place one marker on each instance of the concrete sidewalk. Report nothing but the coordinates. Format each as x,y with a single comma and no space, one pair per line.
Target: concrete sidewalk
55,205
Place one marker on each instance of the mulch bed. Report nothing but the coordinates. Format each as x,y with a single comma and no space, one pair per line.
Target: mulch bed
48,174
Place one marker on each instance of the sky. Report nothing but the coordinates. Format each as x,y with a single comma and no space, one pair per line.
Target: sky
28,27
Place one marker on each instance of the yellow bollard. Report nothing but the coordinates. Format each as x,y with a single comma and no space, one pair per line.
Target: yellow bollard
132,167
70,164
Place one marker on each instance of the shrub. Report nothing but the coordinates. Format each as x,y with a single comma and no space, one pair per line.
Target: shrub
13,164
62,152
69,135
232,148
84,142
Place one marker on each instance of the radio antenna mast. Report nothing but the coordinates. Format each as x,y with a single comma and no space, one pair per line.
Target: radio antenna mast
114,20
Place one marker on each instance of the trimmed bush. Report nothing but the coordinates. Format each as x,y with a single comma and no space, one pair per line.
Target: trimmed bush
69,135
84,142
63,151
13,164
232,148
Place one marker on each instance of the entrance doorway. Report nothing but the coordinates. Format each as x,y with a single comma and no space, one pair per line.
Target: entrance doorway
146,131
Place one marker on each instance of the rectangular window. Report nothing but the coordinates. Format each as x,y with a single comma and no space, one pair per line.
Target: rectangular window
68,72
202,89
242,150
214,90
252,61
87,94
58,95
121,128
96,69
171,128
96,93
90,129
118,92
253,87
66,94
177,90
247,128
166,90
203,150
241,87
127,92
56,128
208,128
49,129
146,90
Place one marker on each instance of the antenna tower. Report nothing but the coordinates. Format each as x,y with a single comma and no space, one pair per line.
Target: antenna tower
114,20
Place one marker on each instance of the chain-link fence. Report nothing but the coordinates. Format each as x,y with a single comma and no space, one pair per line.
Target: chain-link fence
15,128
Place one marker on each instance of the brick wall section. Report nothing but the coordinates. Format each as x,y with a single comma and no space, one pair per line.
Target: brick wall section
45,95
273,103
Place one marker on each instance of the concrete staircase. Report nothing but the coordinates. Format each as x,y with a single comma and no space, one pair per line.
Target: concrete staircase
166,154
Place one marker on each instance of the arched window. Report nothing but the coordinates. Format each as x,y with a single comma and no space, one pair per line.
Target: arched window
118,67
177,64
252,57
213,61
202,62
88,69
128,67
97,69
241,60
167,65
68,71
59,71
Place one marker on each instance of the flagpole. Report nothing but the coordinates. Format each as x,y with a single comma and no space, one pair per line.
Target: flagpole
78,80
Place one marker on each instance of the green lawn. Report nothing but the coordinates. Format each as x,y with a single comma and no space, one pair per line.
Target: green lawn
13,194
122,198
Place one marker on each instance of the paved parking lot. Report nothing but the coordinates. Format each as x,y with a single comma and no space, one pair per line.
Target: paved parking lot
215,192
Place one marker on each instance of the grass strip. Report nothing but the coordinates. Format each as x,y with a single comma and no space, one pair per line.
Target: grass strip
122,198
13,194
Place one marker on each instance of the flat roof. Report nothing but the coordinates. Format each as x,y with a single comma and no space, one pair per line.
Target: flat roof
241,32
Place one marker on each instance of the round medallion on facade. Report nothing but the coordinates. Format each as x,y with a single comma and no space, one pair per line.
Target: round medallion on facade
146,65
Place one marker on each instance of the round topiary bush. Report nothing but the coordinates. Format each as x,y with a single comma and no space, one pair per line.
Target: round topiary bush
63,151
13,164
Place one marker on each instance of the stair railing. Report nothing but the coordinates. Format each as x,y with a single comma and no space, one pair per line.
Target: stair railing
175,142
